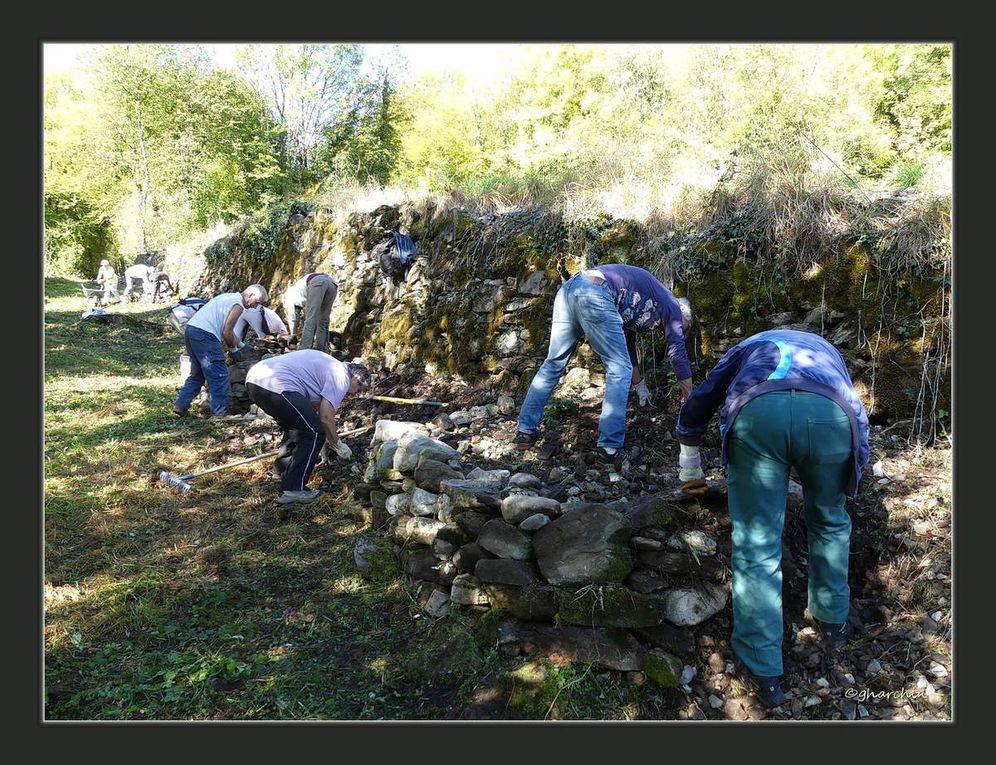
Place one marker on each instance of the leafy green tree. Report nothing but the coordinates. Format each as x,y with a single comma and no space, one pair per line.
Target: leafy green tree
308,88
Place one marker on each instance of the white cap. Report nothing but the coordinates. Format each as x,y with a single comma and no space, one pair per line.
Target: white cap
103,262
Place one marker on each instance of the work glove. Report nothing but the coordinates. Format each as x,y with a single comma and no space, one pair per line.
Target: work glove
643,392
342,450
235,354
690,471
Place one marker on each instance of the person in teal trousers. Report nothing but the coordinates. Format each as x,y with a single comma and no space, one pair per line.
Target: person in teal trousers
787,401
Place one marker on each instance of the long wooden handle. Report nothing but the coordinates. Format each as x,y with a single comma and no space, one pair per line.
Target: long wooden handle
247,460
395,400
230,464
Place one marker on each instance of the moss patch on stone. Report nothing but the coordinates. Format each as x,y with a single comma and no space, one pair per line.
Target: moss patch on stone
663,668
486,628
608,605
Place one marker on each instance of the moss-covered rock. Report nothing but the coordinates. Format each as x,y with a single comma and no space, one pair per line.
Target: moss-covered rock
663,668
608,605
486,628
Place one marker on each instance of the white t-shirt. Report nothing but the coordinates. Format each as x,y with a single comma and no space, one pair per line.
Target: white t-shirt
211,317
311,373
140,271
296,294
253,317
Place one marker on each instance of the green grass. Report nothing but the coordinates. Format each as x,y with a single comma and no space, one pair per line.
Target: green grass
161,605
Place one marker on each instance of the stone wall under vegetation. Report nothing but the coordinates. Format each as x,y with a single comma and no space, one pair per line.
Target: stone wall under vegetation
477,302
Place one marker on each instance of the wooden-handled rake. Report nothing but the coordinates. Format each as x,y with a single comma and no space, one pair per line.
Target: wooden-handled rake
181,481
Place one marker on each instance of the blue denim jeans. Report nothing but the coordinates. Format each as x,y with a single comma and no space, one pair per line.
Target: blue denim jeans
583,308
773,432
207,364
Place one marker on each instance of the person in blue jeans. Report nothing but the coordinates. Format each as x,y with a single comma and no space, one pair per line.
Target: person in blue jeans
206,336
608,305
787,401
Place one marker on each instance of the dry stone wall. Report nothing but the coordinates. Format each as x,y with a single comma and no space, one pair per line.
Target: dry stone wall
477,302
632,573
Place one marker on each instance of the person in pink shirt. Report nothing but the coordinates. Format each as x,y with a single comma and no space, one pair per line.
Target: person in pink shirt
302,391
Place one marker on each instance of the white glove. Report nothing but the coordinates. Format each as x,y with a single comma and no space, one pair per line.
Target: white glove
643,392
342,450
690,464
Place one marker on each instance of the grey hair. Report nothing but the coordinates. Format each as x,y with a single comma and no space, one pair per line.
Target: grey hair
259,291
359,373
686,310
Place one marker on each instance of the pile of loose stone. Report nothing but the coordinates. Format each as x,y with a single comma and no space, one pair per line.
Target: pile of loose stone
612,584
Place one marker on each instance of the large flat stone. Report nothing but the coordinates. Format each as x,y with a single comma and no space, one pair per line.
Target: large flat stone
417,530
472,493
423,502
609,648
533,601
505,541
679,563
410,447
392,430
517,507
590,544
430,472
468,590
688,606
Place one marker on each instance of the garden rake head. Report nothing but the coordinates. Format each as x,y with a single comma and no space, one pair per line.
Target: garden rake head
181,481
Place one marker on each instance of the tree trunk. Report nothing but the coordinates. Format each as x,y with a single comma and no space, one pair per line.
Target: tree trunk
144,186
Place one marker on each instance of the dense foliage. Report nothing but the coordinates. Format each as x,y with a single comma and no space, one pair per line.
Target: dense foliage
147,143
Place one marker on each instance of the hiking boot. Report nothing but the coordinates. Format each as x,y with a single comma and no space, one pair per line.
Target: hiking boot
180,412
834,635
604,459
767,689
525,440
298,497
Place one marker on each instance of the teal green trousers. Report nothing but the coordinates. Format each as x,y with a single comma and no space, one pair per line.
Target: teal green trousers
772,433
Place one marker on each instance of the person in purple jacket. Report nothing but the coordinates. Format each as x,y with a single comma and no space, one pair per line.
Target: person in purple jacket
608,305
787,401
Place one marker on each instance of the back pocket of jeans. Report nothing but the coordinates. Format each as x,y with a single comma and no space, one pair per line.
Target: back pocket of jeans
830,440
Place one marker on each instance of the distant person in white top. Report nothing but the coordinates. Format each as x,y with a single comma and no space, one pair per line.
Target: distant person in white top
206,336
139,272
263,321
302,391
316,292
108,279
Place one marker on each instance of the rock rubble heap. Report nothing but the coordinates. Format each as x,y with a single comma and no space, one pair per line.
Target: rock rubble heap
616,584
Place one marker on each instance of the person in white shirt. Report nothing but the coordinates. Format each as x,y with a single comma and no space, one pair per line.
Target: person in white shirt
316,293
206,335
139,272
108,279
302,391
263,321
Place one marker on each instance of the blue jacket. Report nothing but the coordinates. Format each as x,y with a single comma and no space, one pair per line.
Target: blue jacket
778,359
644,303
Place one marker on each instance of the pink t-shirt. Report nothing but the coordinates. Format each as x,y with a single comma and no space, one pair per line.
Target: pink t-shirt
311,373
